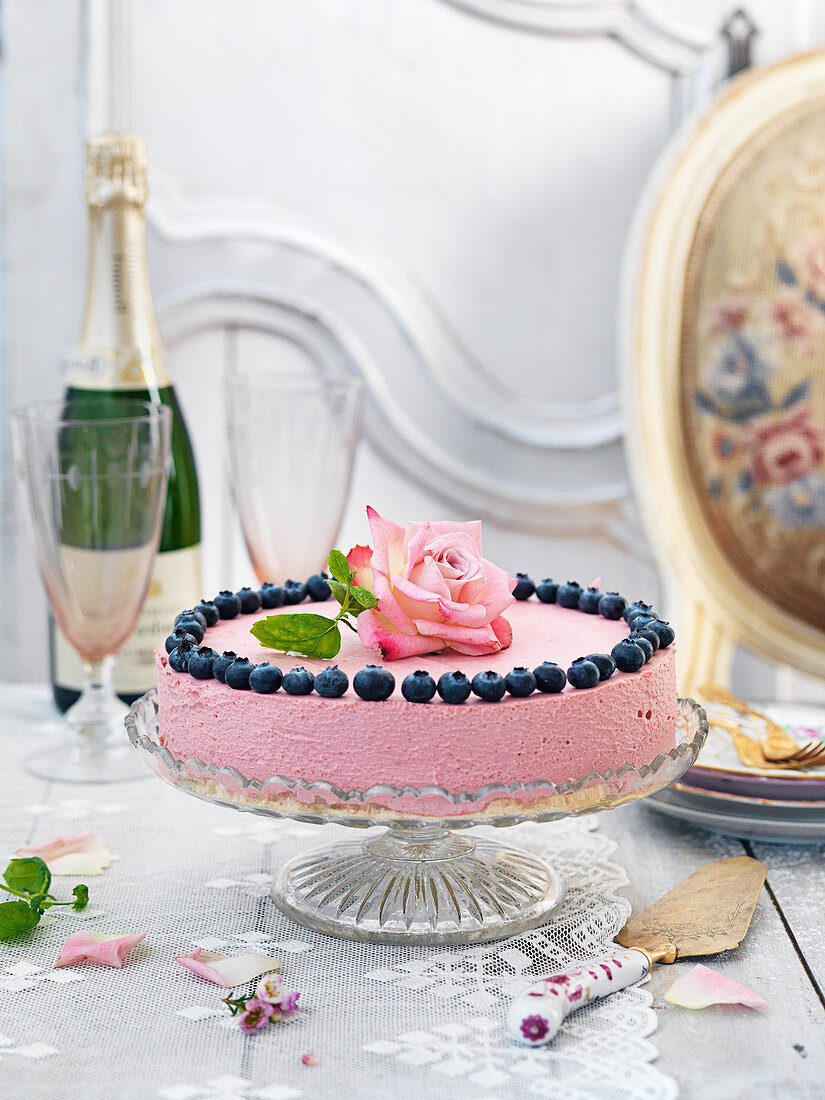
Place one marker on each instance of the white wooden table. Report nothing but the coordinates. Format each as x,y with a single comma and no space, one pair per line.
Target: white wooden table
720,1053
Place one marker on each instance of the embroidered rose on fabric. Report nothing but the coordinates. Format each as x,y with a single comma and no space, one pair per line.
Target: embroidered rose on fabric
786,447
795,320
434,588
807,255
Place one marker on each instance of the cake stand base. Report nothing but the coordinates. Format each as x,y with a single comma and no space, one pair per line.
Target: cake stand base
418,885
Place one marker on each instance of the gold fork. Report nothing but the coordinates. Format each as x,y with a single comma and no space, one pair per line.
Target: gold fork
777,747
752,754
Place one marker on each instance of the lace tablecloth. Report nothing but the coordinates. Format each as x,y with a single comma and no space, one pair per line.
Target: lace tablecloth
384,1022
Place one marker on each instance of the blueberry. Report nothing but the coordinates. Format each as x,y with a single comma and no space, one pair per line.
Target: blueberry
294,592
641,619
298,681
265,679
237,674
642,643
373,683
209,611
604,663
665,631
192,625
250,600
228,604
331,683
177,635
637,605
568,594
546,590
520,682
192,613
272,595
222,663
317,587
525,587
454,687
200,663
179,657
583,673
589,601
612,605
489,686
628,656
418,687
550,677
649,633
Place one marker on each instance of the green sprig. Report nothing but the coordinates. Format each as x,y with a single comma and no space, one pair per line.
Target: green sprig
317,635
29,881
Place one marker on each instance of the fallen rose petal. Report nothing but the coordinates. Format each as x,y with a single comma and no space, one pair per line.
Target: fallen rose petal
227,970
309,1059
77,863
702,987
52,850
95,947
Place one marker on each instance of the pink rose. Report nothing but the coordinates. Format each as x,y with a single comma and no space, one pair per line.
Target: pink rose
785,447
807,254
796,321
434,590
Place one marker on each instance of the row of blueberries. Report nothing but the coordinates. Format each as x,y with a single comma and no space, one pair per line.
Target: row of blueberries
374,683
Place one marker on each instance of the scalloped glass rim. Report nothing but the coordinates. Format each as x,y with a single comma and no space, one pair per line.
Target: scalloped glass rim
624,784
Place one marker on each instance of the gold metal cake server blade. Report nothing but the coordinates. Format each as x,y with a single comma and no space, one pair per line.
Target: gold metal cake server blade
709,912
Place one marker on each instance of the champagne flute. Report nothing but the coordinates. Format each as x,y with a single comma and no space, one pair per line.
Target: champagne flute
291,447
94,490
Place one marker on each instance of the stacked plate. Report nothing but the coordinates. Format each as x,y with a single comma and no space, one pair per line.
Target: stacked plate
719,792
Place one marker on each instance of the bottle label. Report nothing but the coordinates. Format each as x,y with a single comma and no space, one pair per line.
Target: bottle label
175,585
126,368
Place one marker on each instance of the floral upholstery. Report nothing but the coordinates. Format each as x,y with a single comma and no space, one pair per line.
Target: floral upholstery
753,364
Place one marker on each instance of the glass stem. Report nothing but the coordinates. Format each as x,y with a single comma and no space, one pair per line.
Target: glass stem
98,708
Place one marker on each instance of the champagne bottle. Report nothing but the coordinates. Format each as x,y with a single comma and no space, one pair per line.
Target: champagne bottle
120,357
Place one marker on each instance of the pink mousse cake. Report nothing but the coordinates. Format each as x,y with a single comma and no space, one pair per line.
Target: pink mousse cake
308,751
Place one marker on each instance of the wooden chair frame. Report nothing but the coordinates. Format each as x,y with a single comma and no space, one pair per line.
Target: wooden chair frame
714,608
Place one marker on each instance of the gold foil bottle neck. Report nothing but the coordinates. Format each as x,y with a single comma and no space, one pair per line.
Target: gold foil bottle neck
115,169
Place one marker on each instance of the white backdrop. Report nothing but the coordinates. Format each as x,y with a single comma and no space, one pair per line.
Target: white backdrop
435,191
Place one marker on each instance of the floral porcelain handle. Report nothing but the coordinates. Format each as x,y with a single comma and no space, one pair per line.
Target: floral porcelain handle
537,1014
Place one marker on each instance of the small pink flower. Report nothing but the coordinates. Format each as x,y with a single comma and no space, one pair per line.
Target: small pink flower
534,1028
255,1016
309,1059
796,321
786,447
94,947
271,988
226,970
434,590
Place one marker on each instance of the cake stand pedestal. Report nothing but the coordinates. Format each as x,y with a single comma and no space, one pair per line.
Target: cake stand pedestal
420,882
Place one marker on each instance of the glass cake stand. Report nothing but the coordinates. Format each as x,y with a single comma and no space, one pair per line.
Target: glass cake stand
420,882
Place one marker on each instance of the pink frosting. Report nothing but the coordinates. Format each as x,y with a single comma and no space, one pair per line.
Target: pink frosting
356,745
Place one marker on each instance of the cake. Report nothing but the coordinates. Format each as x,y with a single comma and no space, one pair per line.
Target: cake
535,701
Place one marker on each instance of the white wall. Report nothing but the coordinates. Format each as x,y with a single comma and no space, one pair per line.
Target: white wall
440,192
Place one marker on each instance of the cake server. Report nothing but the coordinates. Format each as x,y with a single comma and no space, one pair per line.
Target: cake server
709,912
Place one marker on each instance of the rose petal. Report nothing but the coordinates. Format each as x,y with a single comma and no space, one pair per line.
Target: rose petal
77,863
702,986
50,850
359,559
227,970
95,947
377,632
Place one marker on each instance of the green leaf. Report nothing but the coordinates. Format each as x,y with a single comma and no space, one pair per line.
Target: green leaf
81,897
338,590
363,597
16,917
28,876
312,635
339,567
